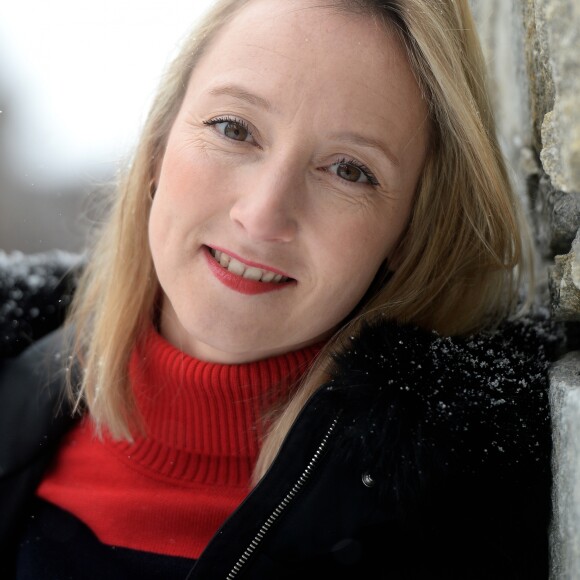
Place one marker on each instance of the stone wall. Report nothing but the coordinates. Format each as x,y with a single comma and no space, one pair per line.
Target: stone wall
533,52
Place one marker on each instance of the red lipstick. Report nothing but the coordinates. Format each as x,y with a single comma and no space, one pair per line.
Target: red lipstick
250,263
239,283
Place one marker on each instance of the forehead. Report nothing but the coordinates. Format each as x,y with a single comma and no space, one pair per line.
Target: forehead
308,35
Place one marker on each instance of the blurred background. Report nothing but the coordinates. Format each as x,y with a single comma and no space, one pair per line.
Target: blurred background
76,80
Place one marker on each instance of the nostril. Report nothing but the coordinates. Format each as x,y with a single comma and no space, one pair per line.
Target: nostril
263,220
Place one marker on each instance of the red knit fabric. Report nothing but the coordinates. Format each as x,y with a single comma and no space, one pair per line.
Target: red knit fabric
169,491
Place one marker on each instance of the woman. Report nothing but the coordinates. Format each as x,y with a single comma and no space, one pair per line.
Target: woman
292,348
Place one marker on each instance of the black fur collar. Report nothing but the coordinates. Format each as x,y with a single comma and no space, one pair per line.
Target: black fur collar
418,406
35,291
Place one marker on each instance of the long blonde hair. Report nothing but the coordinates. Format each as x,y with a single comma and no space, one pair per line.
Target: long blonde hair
462,254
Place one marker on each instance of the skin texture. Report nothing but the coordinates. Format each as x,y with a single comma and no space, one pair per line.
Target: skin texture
276,178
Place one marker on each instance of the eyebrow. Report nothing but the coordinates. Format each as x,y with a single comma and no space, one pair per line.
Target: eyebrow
240,93
368,142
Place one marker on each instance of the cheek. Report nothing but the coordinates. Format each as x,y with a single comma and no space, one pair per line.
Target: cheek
178,178
354,251
184,197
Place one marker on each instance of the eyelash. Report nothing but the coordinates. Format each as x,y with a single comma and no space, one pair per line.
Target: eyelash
228,119
372,180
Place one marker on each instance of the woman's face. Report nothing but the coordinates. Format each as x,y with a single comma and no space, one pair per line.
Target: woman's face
287,180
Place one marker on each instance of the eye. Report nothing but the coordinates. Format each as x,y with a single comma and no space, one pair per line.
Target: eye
235,129
353,171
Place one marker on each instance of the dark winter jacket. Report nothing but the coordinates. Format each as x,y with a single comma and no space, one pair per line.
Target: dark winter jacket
422,457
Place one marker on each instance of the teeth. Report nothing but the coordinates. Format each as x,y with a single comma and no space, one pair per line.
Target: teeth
236,267
248,272
268,276
253,273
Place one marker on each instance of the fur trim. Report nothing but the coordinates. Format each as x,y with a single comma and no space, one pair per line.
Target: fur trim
35,291
417,405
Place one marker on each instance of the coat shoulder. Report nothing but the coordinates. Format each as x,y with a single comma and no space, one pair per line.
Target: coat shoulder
454,433
35,292
467,401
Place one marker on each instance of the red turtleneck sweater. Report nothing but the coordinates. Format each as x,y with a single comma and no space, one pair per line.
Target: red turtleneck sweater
169,491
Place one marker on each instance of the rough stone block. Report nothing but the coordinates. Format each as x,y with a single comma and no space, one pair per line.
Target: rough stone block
564,282
560,22
556,215
565,405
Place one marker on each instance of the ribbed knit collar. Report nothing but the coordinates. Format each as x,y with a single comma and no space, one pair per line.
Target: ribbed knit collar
204,420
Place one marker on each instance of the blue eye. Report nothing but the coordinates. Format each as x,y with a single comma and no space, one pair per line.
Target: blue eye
353,171
234,129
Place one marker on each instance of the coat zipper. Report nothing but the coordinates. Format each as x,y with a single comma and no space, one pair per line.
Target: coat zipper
306,474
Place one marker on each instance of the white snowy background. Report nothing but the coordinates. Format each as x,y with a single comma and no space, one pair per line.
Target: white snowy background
76,79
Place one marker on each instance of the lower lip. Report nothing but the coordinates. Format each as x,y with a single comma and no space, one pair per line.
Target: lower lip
240,284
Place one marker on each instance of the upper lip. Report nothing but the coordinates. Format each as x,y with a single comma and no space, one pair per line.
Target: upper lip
250,263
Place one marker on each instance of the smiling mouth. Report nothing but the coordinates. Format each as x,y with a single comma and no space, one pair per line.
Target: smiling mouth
248,272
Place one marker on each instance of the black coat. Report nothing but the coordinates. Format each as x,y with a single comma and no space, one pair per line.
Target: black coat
423,457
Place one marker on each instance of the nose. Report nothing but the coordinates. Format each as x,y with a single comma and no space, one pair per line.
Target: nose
266,206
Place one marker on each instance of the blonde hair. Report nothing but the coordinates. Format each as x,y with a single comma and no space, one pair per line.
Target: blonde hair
461,255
